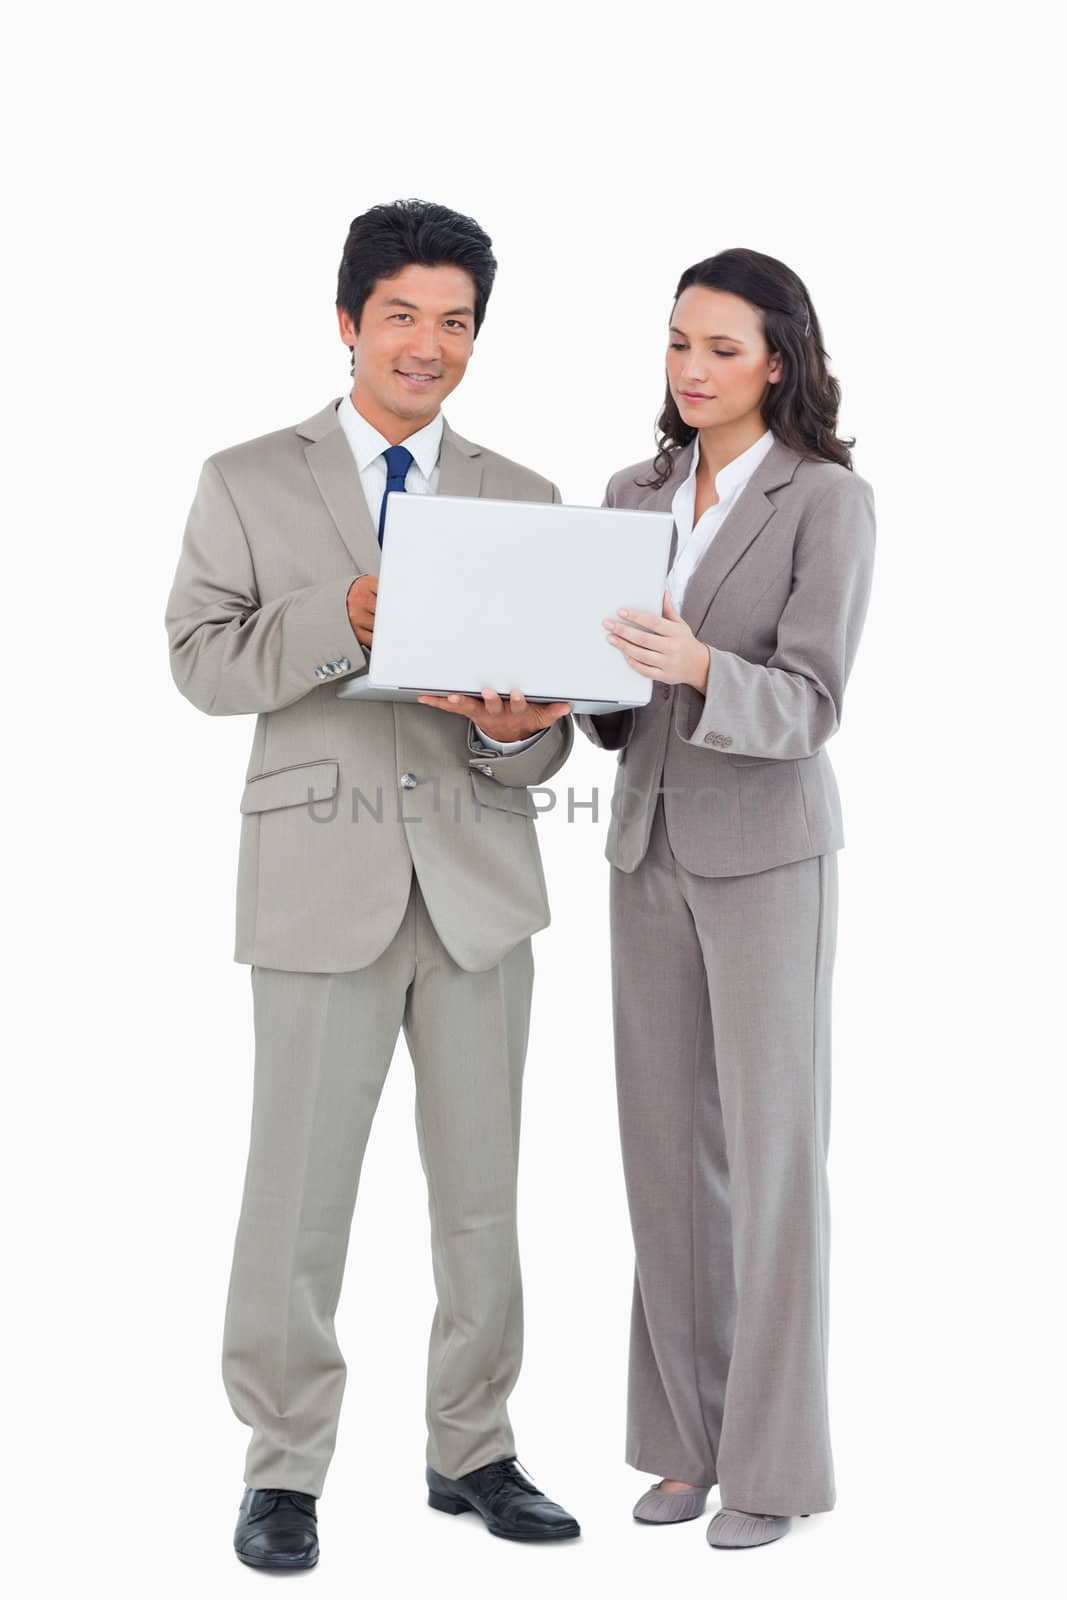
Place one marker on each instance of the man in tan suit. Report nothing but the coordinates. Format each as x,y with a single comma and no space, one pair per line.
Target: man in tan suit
389,876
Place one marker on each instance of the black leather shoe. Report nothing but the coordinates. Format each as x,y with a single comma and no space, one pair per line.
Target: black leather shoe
510,1505
277,1528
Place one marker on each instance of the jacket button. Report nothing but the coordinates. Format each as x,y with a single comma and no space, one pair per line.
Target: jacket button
665,691
408,780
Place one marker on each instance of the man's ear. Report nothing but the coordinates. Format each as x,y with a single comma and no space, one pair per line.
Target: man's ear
347,328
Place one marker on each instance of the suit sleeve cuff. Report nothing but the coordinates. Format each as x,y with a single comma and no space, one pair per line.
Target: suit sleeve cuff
700,719
509,747
331,644
545,754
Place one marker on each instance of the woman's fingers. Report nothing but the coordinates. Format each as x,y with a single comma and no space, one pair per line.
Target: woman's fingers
647,619
645,651
616,630
650,658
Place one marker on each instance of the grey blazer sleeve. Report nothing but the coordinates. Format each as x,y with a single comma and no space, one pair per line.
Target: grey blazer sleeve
536,764
612,729
609,730
789,707
229,654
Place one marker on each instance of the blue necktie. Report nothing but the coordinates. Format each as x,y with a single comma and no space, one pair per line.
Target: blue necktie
397,461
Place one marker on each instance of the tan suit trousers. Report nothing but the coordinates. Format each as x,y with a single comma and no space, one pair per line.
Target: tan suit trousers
324,1042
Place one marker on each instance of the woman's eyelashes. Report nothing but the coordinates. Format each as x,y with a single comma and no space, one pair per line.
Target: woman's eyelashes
714,352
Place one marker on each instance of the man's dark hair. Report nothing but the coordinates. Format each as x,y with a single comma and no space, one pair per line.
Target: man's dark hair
412,233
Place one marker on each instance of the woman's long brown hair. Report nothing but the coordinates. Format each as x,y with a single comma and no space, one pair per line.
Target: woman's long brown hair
801,408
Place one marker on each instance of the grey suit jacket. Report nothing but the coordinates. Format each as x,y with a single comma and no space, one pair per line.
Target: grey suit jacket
780,596
343,797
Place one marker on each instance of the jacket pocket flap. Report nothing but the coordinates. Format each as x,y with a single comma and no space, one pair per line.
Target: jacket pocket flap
487,792
290,786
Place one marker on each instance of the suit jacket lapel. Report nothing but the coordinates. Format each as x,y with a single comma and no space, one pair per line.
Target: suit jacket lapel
747,518
461,466
333,467
660,499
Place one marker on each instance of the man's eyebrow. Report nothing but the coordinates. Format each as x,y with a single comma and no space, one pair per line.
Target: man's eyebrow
730,337
409,305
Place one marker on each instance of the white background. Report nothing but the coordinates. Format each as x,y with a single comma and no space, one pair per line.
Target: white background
181,184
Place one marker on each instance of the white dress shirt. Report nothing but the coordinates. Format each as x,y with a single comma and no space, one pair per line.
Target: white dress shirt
423,477
369,447
693,542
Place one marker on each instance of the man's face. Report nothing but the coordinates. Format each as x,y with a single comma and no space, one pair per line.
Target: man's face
414,340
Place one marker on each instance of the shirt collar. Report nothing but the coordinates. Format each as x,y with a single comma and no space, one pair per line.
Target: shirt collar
737,472
368,444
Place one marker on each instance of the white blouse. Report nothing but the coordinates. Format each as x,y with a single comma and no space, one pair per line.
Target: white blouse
693,542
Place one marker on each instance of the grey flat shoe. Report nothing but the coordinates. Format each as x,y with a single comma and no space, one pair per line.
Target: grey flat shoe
738,1530
660,1505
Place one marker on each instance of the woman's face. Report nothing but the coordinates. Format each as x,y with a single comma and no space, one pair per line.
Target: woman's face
718,365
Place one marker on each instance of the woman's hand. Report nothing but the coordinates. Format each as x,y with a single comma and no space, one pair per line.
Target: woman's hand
668,651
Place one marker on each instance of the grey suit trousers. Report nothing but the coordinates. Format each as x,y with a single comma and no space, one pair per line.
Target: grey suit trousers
722,994
323,1047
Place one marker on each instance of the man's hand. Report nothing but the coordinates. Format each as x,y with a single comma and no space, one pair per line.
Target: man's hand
362,601
668,651
503,719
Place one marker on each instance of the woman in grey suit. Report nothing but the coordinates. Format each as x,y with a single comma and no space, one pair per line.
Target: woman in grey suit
723,839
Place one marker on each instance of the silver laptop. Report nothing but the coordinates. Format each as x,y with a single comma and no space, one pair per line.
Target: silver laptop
510,594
